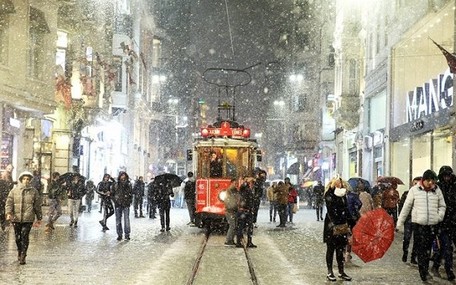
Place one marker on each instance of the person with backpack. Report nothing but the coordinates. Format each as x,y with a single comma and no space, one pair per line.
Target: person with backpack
189,196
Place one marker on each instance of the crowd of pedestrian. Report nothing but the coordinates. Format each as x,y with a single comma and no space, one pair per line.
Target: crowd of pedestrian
426,212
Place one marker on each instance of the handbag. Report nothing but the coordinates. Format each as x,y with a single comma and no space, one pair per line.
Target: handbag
341,229
295,208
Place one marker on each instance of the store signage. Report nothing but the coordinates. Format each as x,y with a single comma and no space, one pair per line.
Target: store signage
431,97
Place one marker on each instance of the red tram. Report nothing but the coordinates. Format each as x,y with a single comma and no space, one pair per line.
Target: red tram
224,151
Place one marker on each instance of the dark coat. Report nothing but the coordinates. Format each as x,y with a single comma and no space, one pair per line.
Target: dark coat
216,168
318,192
337,214
90,194
104,189
246,198
138,189
258,189
55,190
449,194
162,193
122,193
354,205
76,190
190,189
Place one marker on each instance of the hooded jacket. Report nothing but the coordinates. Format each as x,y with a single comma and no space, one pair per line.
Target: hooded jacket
122,191
448,188
281,192
23,203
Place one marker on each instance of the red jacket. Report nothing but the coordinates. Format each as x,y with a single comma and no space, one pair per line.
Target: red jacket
292,194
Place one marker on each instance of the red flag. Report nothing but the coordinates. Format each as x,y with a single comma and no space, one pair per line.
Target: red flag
450,58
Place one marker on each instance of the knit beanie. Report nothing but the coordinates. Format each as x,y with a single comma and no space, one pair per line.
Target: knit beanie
429,174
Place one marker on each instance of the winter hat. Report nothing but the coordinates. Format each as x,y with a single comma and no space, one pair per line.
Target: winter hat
429,174
25,173
445,170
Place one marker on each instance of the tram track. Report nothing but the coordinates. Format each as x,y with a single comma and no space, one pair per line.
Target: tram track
196,265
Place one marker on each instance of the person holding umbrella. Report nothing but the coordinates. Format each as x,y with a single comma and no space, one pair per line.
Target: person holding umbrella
336,218
426,203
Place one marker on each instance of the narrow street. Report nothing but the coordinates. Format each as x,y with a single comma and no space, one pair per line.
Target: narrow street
86,255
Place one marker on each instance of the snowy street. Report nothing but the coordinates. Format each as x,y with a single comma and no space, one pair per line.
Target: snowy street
86,255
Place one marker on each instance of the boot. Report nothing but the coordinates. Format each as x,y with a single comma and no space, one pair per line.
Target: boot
450,275
238,242
404,256
331,277
22,258
48,228
250,244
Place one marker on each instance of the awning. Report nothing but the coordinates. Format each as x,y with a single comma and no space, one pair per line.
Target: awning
38,21
6,7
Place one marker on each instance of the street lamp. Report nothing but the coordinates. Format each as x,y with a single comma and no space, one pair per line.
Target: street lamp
296,78
279,103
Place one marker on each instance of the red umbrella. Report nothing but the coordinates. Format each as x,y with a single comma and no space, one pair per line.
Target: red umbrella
390,179
373,235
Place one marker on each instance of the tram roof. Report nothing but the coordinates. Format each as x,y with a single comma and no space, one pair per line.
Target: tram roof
225,142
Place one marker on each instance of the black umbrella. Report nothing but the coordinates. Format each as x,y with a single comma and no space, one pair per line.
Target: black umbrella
294,168
68,177
170,177
354,183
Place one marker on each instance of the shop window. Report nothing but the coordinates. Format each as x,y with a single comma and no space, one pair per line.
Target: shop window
442,152
421,153
400,159
6,151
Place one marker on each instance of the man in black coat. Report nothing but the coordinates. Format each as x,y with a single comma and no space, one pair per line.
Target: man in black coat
258,190
190,196
163,190
151,201
447,235
245,212
123,198
138,192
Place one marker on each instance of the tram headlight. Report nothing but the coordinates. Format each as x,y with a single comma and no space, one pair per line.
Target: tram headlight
246,133
222,195
204,133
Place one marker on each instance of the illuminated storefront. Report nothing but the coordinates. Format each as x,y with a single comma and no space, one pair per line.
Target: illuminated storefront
422,98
